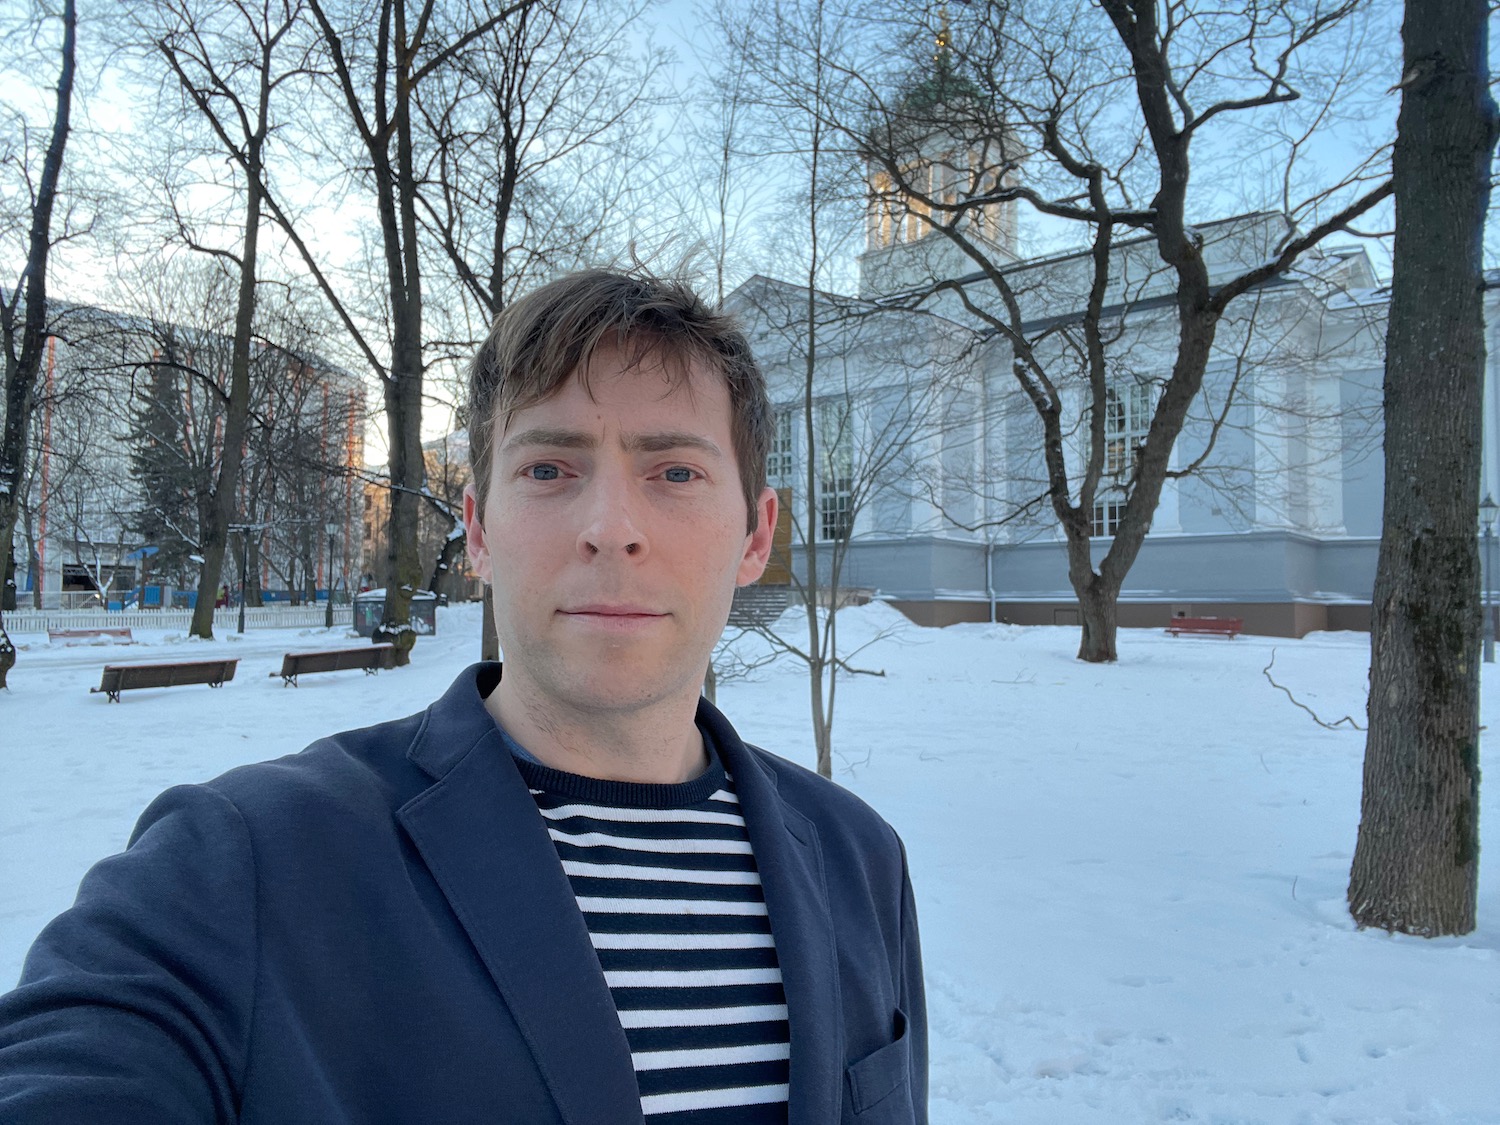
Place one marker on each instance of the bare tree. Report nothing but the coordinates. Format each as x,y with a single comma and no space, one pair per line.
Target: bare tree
889,393
720,135
170,364
376,57
532,145
227,61
1090,119
82,494
1416,864
23,320
532,142
866,390
723,135
797,38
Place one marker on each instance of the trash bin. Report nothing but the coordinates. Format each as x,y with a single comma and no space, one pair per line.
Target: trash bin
369,608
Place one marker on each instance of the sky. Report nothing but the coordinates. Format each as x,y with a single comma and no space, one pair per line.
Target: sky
91,270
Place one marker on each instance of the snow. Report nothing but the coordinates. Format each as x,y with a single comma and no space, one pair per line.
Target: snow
1130,878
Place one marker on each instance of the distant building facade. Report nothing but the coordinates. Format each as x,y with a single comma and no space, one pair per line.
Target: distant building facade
128,434
445,563
929,454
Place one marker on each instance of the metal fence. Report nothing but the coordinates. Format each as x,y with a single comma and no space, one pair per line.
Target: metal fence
19,621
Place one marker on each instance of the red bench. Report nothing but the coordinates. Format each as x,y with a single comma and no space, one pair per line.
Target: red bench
1212,626
68,636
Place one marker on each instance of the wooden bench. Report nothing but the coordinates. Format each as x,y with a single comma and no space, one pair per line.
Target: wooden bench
79,635
128,677
371,658
1212,626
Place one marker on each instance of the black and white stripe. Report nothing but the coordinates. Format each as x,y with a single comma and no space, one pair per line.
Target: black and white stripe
668,886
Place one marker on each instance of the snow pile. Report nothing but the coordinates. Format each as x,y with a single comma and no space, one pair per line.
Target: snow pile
1130,877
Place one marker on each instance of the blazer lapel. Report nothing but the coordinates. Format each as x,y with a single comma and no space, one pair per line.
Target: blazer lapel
791,874
478,831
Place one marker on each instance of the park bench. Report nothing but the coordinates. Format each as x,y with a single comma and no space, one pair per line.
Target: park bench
128,677
68,636
371,658
1212,626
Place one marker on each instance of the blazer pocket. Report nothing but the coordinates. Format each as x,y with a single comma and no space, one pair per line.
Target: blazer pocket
880,1076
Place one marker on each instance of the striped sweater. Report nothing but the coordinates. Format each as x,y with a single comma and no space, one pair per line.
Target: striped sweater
668,887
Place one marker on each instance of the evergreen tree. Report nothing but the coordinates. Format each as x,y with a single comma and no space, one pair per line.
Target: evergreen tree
162,465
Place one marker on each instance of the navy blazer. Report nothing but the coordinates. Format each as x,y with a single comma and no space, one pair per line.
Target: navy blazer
378,929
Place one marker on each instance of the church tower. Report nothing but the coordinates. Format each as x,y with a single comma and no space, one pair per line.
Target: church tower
941,152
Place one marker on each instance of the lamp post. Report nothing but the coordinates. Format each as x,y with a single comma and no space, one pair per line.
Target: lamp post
244,530
333,530
1487,510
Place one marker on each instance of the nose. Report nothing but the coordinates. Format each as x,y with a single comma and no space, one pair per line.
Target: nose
610,527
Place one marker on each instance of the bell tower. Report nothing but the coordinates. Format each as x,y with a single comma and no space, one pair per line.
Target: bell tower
938,157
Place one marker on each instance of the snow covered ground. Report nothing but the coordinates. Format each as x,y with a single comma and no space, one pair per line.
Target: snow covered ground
1130,878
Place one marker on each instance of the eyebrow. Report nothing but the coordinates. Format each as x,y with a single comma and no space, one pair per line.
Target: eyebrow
563,439
663,441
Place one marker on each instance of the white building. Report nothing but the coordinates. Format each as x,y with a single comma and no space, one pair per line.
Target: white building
933,453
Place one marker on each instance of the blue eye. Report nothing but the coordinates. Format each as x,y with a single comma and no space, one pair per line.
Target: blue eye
678,474
543,472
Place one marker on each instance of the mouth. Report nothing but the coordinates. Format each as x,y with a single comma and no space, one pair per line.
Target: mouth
609,616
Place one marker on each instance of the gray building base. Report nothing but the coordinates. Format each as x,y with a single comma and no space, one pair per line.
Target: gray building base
1270,619
1280,583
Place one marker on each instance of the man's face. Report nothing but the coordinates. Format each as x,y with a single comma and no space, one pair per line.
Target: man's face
614,536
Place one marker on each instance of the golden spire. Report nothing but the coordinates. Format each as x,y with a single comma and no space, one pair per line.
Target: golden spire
944,38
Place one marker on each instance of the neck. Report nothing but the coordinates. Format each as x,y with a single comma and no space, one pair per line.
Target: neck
657,744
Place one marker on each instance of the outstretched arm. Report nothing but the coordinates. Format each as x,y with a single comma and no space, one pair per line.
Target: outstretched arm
134,1004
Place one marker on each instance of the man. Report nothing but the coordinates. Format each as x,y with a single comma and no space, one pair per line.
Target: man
567,891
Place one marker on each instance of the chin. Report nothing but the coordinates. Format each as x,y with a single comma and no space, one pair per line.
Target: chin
622,687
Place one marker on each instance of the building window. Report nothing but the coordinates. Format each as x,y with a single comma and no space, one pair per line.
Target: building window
1106,517
781,461
1127,418
835,470
885,212
896,216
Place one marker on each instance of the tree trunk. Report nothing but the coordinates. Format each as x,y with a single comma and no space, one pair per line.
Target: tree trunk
7,655
33,561
1098,613
1415,865
489,639
442,570
221,506
822,732
403,549
403,388
252,577
24,363
214,548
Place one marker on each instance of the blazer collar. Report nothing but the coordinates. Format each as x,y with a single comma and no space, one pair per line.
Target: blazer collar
790,861
478,831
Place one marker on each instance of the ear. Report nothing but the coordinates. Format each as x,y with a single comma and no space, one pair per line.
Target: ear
474,539
758,542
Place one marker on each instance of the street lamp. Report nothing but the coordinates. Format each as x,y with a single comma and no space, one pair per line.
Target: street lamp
243,530
333,530
1487,510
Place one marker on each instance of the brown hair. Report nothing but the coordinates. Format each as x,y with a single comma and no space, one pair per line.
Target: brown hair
540,341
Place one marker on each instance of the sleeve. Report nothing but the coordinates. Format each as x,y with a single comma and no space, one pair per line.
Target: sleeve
913,994
134,1004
